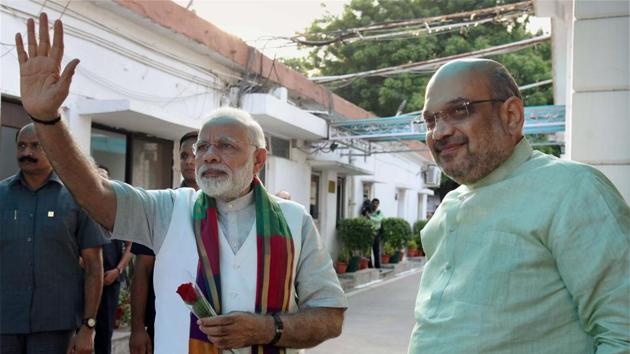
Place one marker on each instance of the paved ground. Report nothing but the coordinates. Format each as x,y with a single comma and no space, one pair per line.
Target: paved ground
379,319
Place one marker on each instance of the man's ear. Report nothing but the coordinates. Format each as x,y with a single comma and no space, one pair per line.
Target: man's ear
260,156
513,116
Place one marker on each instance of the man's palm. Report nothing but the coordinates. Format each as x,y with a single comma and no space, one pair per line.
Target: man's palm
43,88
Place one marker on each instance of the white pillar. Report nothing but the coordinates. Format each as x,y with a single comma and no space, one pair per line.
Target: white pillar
80,126
600,96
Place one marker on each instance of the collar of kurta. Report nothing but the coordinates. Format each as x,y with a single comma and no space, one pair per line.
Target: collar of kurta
522,152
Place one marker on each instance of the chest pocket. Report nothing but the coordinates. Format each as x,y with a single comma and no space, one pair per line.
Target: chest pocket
9,224
483,268
59,222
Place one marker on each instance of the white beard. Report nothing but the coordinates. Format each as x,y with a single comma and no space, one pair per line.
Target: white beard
227,187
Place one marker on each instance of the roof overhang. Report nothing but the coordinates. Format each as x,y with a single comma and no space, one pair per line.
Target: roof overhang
123,115
278,117
340,167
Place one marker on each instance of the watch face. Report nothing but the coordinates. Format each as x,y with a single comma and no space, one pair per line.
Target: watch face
90,322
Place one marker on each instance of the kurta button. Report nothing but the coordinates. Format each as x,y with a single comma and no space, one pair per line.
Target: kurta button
236,267
28,239
451,229
448,267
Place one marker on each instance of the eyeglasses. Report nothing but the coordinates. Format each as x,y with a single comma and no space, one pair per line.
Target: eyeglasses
224,148
455,114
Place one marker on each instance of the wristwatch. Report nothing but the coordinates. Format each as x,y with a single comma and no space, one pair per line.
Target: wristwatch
89,322
279,327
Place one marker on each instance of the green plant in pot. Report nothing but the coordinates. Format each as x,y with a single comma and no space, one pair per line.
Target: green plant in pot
388,252
412,248
342,260
357,235
397,232
417,228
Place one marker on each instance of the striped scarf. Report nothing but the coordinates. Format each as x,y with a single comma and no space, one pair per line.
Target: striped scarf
275,263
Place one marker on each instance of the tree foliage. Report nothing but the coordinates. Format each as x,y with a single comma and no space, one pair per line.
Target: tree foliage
383,95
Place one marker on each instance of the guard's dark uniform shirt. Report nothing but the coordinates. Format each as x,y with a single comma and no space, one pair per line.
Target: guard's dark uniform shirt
42,233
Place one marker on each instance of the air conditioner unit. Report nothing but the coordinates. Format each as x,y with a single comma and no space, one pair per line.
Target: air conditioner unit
433,175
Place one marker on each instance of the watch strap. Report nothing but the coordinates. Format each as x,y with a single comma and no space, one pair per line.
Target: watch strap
45,122
279,327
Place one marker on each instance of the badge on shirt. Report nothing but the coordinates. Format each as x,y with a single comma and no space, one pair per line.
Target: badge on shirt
51,214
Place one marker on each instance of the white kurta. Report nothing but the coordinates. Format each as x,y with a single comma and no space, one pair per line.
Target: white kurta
176,263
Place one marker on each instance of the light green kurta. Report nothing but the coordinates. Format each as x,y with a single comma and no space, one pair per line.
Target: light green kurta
534,258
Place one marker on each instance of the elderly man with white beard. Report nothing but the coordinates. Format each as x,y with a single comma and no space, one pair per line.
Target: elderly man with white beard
257,258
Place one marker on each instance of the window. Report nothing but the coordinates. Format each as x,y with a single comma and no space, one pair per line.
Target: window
109,149
14,117
314,200
141,160
152,162
279,147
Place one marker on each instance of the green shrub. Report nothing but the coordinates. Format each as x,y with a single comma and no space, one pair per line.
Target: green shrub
412,245
356,234
396,231
417,227
388,250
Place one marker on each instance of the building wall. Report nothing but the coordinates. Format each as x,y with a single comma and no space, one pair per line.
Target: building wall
600,111
149,80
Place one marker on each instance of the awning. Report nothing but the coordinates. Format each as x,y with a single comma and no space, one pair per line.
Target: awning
278,117
341,168
122,114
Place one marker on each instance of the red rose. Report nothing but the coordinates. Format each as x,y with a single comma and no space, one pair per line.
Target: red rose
187,292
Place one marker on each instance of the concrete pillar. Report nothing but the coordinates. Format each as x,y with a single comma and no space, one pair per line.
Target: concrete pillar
600,95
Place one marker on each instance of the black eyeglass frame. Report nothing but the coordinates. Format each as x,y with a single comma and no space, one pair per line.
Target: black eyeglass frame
449,112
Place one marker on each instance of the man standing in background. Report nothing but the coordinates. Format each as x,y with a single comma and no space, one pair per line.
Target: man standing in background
45,295
142,294
116,257
376,216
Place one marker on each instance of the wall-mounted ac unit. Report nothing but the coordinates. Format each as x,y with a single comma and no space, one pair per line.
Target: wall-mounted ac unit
433,175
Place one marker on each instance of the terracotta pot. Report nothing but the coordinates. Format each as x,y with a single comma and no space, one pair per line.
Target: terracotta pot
363,264
341,267
412,252
384,259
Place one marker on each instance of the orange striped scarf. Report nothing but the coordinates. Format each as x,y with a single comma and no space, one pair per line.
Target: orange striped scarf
274,263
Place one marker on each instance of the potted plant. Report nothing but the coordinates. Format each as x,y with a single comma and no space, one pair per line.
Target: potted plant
388,251
412,248
342,261
357,235
397,232
417,228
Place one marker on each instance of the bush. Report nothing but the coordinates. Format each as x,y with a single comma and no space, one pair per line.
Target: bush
388,250
417,227
412,245
396,231
357,235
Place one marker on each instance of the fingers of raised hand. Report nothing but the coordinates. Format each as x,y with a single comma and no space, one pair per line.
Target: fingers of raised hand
19,45
30,35
44,39
57,48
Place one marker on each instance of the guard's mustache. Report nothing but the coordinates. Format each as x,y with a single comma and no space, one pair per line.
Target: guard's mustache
27,158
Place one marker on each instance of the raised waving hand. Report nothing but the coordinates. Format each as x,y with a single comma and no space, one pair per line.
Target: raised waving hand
43,87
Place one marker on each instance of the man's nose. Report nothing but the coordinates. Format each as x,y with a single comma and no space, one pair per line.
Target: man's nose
442,129
211,155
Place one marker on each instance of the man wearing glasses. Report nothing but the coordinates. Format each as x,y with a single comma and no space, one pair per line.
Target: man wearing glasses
257,259
531,253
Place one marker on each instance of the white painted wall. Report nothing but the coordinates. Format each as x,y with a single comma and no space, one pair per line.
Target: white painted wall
169,82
